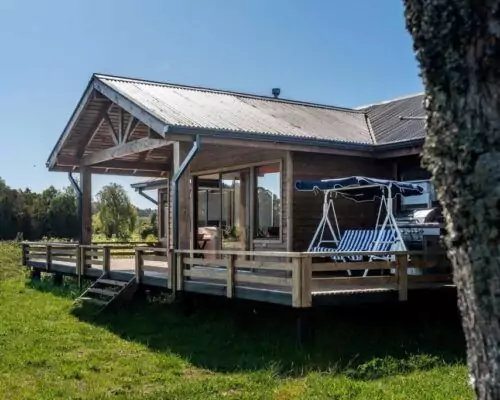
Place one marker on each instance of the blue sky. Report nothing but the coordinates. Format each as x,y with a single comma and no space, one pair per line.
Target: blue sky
338,52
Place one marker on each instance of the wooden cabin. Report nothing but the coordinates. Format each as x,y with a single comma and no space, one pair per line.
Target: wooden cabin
228,161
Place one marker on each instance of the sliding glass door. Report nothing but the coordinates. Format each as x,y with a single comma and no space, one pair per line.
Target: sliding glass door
223,212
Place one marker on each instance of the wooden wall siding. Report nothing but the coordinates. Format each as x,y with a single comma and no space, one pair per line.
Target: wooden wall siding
211,157
307,206
409,168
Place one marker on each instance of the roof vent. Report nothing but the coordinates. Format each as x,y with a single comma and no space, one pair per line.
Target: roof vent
276,92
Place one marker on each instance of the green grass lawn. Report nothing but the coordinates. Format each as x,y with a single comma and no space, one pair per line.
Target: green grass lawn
227,350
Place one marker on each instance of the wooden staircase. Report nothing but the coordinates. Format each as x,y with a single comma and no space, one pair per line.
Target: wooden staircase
106,293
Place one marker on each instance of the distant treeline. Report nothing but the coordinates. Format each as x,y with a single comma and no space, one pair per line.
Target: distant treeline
53,213
30,216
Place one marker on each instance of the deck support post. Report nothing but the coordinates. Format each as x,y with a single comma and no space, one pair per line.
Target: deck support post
402,273
171,272
35,274
306,281
57,279
86,214
304,325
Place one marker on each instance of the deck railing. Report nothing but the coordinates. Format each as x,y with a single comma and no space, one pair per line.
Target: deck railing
231,270
47,253
151,259
291,277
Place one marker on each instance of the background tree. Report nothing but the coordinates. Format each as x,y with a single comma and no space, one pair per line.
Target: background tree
117,215
457,43
149,226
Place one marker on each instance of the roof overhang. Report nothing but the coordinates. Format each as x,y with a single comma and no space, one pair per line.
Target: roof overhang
110,133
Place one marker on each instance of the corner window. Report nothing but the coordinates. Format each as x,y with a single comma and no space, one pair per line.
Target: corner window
268,201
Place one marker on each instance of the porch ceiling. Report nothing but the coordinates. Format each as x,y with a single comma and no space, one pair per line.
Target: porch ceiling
102,125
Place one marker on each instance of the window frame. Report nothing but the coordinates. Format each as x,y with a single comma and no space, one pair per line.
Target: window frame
254,199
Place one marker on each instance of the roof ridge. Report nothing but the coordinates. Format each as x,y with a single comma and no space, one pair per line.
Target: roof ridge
370,129
404,97
229,92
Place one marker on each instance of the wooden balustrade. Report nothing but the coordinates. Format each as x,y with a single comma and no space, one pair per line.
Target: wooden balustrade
296,277
157,258
230,271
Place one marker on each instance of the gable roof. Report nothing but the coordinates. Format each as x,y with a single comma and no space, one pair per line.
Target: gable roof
182,107
179,109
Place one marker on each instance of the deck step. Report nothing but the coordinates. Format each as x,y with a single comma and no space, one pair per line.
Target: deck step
112,282
94,301
102,291
117,292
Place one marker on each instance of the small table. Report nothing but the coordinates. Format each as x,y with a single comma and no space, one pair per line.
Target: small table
201,242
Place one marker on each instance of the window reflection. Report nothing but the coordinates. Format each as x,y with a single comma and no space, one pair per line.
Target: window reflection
268,201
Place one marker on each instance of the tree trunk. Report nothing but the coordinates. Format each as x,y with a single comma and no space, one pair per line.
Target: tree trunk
457,43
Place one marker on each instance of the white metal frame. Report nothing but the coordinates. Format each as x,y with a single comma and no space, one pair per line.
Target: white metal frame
326,223
388,221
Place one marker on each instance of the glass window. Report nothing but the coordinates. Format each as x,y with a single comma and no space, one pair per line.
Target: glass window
268,201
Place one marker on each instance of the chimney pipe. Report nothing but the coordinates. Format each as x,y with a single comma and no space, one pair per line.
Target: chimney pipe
276,92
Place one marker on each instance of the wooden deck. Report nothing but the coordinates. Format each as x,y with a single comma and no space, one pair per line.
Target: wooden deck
299,280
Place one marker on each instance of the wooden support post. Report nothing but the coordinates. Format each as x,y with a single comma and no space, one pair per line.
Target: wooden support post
193,210
180,271
79,265
402,268
230,276
170,258
181,150
306,281
24,249
289,193
138,265
296,282
86,214
106,260
243,211
48,257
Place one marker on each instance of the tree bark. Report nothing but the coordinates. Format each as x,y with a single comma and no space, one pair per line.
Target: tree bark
457,44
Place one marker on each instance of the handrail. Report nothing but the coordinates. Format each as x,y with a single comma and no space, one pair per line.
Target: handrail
75,244
292,254
241,253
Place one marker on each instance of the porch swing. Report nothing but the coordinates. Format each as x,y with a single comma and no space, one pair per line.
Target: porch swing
384,237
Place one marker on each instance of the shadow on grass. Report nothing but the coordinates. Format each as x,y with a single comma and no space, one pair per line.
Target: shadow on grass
366,341
363,342
68,289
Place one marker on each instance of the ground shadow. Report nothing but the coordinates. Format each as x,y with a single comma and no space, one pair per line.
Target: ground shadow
365,341
67,288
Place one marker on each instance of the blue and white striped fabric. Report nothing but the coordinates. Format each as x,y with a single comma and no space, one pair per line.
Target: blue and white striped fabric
361,240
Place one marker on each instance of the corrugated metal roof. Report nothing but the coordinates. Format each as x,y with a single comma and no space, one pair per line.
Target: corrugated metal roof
387,125
189,107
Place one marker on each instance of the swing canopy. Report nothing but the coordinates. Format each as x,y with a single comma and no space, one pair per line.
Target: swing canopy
360,188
